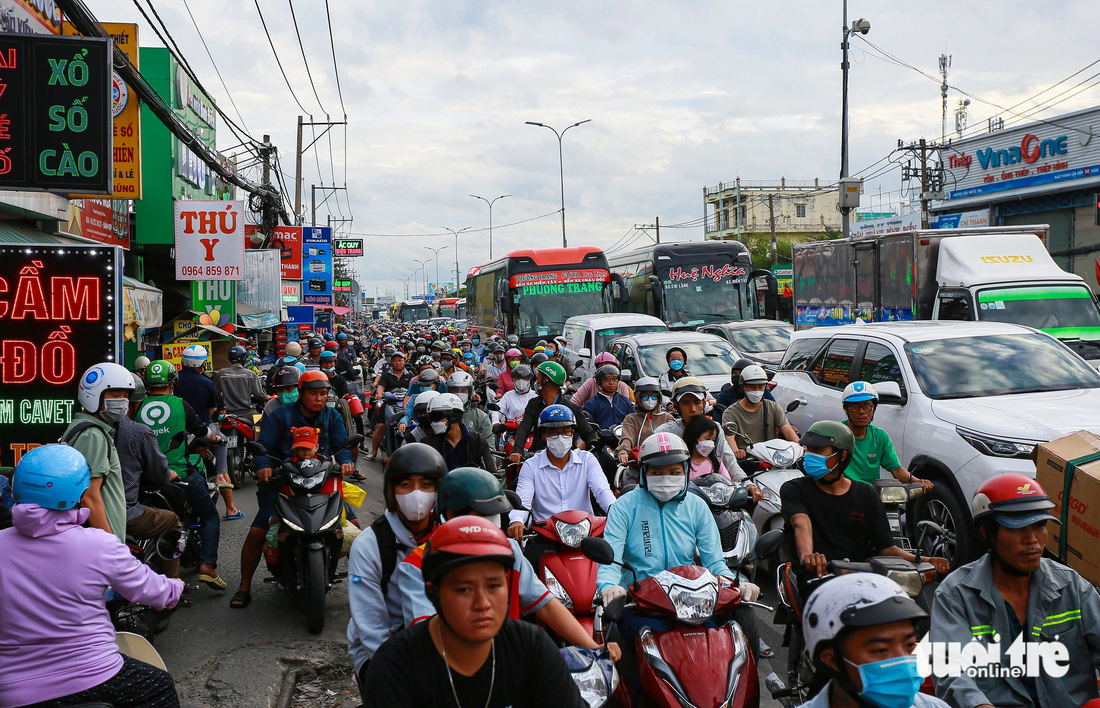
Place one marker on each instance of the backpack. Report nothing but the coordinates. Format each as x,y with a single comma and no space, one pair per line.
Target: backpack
387,548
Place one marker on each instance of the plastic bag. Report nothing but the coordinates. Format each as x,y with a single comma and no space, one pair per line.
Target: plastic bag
353,495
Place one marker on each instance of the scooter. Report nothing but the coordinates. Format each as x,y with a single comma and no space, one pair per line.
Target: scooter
728,502
570,577
303,546
143,620
776,462
391,414
236,430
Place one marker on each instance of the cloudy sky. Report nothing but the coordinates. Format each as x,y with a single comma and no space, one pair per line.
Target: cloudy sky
681,95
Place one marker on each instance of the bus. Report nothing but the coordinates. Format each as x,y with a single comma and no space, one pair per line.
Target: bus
411,311
446,307
531,293
691,284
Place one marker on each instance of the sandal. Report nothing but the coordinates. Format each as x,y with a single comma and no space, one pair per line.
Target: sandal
213,582
766,651
234,517
241,600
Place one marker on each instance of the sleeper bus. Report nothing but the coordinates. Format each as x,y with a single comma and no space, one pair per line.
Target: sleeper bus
411,311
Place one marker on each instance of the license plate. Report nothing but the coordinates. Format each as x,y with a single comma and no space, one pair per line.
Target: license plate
231,441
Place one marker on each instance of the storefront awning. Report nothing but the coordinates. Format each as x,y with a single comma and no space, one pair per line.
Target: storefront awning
144,303
334,308
219,331
19,232
255,318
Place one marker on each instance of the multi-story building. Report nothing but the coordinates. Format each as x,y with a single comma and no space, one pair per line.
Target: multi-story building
742,208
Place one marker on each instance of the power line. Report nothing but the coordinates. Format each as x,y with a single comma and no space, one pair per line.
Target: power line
304,59
213,63
447,233
335,66
279,63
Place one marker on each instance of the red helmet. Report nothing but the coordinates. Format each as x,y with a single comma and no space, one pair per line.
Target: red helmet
464,540
331,345
313,379
1014,500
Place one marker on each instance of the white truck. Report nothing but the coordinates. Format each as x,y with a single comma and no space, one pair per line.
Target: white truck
997,274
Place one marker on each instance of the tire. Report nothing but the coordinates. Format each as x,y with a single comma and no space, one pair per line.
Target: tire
800,672
235,463
315,590
943,506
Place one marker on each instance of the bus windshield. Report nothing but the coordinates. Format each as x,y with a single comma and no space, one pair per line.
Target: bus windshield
414,313
541,311
1045,307
700,294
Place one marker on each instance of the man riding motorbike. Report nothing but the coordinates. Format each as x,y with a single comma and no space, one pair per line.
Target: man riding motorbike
461,384
608,407
549,379
451,438
397,378
513,403
733,393
426,381
676,358
755,418
240,389
192,386
874,449
589,388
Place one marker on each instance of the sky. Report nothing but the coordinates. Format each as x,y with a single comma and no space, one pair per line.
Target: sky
680,96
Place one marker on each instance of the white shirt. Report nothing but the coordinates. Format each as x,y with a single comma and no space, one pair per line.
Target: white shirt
546,490
512,405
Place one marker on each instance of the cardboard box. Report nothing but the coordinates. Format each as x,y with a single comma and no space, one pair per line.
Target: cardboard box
1082,521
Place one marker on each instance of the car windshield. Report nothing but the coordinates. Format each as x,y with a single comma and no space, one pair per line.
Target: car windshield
761,339
1042,307
703,358
694,296
604,336
971,367
540,314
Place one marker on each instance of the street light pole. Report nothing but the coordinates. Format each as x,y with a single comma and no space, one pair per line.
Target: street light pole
490,203
561,168
861,26
436,252
456,233
424,269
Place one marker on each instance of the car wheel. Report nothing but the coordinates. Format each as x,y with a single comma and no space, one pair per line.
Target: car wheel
959,544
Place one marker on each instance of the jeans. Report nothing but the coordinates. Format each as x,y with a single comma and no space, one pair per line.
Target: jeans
198,496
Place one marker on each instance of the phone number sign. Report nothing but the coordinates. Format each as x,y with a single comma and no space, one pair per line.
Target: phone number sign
55,114
209,240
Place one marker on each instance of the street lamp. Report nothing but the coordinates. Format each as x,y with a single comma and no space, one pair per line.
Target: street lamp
456,233
490,203
561,168
424,268
861,26
436,252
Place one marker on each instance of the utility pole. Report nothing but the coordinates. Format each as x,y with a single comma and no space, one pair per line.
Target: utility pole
267,159
923,186
771,220
945,66
861,26
313,199
737,206
298,176
658,221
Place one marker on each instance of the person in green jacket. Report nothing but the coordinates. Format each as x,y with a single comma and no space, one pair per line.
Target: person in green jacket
874,449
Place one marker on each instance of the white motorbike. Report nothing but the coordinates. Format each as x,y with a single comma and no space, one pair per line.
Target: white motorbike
776,462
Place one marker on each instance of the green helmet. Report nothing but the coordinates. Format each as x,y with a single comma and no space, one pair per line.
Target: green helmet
553,371
160,373
830,433
138,394
466,489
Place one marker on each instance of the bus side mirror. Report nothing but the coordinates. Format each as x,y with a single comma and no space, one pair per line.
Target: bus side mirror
771,295
657,289
505,302
624,294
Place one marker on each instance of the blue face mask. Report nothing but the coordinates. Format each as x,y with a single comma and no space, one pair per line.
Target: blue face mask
286,397
815,465
676,365
891,683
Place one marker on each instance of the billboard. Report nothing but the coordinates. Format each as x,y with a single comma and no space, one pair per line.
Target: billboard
59,308
288,239
298,315
316,265
209,240
215,301
347,247
341,285
55,114
292,292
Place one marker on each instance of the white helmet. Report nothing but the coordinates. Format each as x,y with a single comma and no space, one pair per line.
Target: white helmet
663,449
140,363
194,356
859,391
754,375
99,378
446,402
460,379
854,600
424,398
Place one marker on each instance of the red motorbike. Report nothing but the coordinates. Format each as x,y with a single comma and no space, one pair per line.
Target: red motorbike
506,439
567,574
237,431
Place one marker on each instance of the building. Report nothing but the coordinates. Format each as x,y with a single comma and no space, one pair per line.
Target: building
802,209
1039,173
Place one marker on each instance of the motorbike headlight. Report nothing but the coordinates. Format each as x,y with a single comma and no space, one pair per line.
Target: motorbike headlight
718,493
783,457
592,685
297,479
892,494
693,600
572,534
995,447
909,580
293,526
558,590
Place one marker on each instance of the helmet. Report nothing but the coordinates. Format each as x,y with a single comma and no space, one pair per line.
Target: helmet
467,489
194,356
327,355
313,379
742,364
553,371
851,601
438,345
138,394
293,349
414,458
663,449
461,541
341,337
826,433
425,360
447,403
522,372
513,353
754,374
513,340
238,353
607,370
668,354
460,379
51,476
141,362
316,343
689,385
103,377
287,376
539,357
541,343
331,346
605,358
860,391
428,377
557,416
420,403
1014,500
647,384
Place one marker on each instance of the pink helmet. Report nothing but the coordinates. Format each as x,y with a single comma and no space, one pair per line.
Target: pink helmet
606,358
513,353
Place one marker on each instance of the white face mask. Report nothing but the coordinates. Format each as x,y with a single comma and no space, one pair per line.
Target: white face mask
416,505
463,397
439,427
665,487
649,403
704,447
559,445
754,396
522,386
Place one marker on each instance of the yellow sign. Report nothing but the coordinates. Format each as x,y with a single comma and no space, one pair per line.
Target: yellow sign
127,115
182,327
174,353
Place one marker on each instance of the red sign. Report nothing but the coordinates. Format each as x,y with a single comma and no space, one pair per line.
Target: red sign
288,239
560,277
713,272
98,220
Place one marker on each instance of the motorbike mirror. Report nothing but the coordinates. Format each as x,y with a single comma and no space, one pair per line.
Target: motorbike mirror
353,441
626,376
931,527
793,405
493,407
514,500
255,448
769,543
726,385
597,550
171,544
614,609
499,429
719,409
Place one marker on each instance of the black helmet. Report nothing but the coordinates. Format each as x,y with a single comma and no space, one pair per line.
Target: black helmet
414,458
668,354
316,343
739,366
467,489
287,376
607,370
539,357
522,371
238,353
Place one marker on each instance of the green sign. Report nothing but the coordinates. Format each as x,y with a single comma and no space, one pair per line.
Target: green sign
216,302
561,288
784,277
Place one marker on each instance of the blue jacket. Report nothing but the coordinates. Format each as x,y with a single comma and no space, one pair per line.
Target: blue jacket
605,413
414,390
654,537
276,438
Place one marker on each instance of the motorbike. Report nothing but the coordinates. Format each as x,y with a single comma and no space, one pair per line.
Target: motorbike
728,502
304,544
236,430
506,437
595,676
607,439
390,413
695,603
570,577
134,617
776,463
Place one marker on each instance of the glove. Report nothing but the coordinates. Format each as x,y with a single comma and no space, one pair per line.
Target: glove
614,591
749,592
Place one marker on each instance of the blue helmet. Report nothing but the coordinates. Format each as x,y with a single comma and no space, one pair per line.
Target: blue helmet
341,337
327,356
557,416
51,476
860,391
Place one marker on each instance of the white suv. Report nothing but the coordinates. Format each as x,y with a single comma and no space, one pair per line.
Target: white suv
962,401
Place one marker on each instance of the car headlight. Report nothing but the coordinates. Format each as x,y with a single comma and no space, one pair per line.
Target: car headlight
995,447
892,494
558,590
693,600
909,580
783,457
572,534
718,493
592,685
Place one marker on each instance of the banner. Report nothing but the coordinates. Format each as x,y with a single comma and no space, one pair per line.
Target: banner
216,303
61,315
299,315
209,240
260,288
288,239
317,265
347,247
784,277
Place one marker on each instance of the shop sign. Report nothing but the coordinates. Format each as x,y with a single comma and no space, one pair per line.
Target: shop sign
55,114
58,316
215,301
298,315
292,292
209,240
174,353
560,277
30,17
717,273
317,265
288,239
347,247
784,278
184,328
341,285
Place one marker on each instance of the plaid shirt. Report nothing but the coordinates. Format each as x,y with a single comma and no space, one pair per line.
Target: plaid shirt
139,454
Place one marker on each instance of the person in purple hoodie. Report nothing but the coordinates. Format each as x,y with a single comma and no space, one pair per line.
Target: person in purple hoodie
57,645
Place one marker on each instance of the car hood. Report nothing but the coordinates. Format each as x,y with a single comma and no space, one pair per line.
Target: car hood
715,382
766,357
1025,416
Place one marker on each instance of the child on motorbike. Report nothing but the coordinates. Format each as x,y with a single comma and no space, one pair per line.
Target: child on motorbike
700,435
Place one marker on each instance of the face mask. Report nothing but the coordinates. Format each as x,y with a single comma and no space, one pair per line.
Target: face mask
493,519
463,397
499,357
891,683
286,397
114,410
439,427
477,342
420,350
559,445
649,403
754,396
676,365
416,505
704,447
522,386
815,465
513,364
448,363
330,370
666,486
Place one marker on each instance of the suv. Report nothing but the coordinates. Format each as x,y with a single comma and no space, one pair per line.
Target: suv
709,357
961,401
